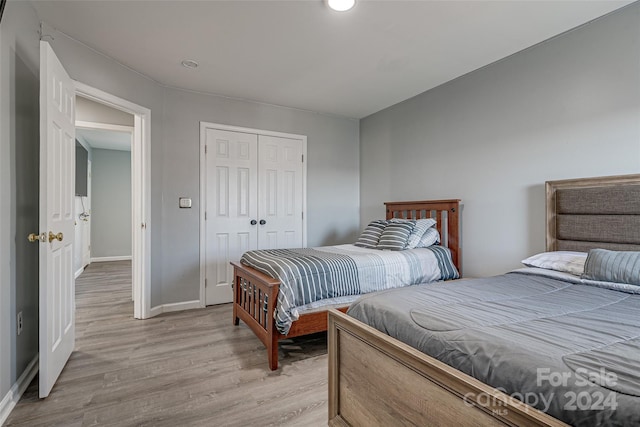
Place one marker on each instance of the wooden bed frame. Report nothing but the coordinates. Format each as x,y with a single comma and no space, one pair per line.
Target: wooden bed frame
251,287
375,379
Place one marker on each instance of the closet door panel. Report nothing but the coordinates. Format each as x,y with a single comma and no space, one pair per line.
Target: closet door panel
280,192
231,194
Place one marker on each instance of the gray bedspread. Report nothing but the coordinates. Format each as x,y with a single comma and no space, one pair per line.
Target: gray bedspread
565,347
312,274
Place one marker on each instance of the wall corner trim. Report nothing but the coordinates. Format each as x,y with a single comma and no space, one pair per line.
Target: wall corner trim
12,397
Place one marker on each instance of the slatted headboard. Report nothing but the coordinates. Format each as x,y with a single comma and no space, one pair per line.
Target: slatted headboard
588,213
447,216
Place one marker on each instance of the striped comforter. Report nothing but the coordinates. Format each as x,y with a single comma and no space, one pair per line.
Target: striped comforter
313,274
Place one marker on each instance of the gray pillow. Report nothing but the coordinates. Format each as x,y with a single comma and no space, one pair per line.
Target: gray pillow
371,234
612,266
396,235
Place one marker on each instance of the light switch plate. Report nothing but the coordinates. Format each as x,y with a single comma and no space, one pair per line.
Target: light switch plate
184,202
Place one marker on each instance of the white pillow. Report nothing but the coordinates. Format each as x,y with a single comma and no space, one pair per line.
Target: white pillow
420,227
429,238
565,261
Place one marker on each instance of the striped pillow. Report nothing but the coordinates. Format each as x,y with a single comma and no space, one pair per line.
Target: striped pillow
371,234
612,266
422,225
429,238
396,235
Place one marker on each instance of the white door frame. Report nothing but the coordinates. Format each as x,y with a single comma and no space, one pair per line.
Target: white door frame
140,193
203,188
104,126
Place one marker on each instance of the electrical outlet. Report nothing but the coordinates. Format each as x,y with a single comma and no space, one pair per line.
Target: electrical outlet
19,323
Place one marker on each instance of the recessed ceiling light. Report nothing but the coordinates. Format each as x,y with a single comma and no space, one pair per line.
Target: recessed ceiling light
341,5
189,63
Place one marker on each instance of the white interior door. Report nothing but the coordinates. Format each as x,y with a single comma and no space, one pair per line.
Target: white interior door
231,196
57,189
280,192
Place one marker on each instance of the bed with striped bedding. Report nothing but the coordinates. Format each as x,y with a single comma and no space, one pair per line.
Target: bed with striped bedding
313,274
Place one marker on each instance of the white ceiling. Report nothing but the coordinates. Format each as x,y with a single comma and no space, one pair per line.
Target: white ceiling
105,139
300,54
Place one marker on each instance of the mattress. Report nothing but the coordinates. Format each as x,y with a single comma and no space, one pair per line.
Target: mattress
311,275
566,346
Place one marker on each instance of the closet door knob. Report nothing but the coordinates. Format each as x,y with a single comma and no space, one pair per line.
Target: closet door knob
254,222
263,222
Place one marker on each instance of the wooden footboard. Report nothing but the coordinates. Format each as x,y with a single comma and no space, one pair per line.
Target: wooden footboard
254,298
254,301
377,380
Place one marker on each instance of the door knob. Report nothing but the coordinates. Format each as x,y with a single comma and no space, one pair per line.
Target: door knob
53,237
263,222
34,237
254,222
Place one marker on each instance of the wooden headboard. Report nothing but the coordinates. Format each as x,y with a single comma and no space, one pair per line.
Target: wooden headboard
588,213
445,212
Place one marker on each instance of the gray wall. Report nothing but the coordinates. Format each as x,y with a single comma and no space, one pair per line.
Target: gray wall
567,108
333,154
110,203
19,156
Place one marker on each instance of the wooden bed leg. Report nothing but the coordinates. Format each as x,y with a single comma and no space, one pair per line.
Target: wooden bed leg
236,298
236,319
272,350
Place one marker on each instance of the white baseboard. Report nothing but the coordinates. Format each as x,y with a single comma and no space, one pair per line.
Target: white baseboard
155,311
81,270
17,390
111,258
177,306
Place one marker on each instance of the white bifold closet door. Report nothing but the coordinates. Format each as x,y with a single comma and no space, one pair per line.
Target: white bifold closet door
254,200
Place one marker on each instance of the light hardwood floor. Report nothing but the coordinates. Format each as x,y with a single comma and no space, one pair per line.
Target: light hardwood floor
178,369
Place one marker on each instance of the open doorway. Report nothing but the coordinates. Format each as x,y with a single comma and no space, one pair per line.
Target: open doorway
116,130
103,199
